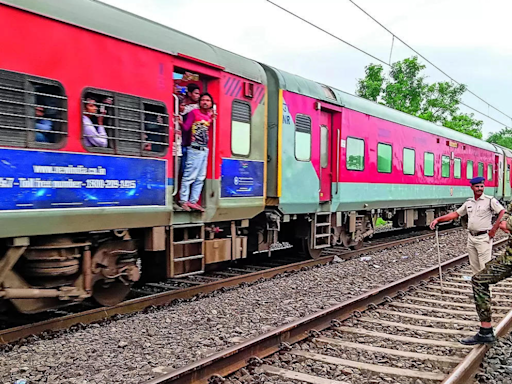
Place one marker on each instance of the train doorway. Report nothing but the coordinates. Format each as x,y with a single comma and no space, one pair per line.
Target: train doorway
326,146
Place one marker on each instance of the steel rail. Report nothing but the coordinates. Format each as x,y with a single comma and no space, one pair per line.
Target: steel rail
467,368
233,358
136,305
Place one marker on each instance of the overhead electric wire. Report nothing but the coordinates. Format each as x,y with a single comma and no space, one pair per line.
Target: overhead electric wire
388,64
427,60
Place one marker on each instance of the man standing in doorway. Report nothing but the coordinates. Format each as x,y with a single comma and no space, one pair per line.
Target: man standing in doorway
479,209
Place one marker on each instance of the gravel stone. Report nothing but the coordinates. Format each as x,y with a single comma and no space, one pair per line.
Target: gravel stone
497,365
164,339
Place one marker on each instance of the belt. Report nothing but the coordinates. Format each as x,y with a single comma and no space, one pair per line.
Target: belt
478,233
198,147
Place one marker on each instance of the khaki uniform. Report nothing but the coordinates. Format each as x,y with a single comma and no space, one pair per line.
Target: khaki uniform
479,220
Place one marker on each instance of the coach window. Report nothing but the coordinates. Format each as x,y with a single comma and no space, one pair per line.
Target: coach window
481,169
241,128
155,137
489,172
469,169
303,137
355,154
124,124
457,168
324,146
445,166
384,158
33,111
428,164
409,161
507,175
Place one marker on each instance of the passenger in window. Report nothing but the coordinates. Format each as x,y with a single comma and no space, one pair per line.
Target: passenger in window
43,125
195,139
94,136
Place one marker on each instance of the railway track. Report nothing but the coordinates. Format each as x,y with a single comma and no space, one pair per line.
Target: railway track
165,292
405,332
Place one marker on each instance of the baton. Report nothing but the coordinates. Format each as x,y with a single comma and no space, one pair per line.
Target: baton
439,258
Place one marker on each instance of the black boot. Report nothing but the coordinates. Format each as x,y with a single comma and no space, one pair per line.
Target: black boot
484,336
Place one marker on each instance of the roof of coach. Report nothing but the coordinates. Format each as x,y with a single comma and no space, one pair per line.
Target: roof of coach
381,111
302,86
129,27
504,150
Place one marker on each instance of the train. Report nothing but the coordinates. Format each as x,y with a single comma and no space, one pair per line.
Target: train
293,163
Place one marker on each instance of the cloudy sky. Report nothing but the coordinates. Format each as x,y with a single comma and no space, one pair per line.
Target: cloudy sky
468,39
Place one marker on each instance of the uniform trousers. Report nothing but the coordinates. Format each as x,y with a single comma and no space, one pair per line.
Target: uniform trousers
479,251
495,271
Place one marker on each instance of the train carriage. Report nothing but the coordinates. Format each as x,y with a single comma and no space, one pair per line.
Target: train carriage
292,163
337,162
77,218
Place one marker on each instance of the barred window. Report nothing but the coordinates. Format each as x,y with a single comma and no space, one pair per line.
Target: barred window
33,111
302,137
124,124
241,128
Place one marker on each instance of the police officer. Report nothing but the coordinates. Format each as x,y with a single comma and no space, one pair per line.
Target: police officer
481,230
495,271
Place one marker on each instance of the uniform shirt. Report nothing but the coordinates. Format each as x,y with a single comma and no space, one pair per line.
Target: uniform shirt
480,212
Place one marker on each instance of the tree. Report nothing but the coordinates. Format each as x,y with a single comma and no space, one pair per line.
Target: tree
503,138
406,90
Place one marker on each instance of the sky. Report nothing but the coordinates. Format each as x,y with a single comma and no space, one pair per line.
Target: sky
467,39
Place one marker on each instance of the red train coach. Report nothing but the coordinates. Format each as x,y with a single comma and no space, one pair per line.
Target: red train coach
77,215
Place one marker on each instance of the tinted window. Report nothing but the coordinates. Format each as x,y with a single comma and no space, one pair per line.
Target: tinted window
489,172
445,166
241,128
324,149
384,158
428,164
469,169
481,169
355,154
457,168
303,138
409,161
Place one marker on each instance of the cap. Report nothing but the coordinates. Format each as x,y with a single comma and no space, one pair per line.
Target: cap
476,180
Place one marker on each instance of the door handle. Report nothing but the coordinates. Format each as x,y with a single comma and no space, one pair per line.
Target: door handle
177,128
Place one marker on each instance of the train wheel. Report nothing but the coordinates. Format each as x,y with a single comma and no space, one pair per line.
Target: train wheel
349,242
110,293
357,245
312,253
